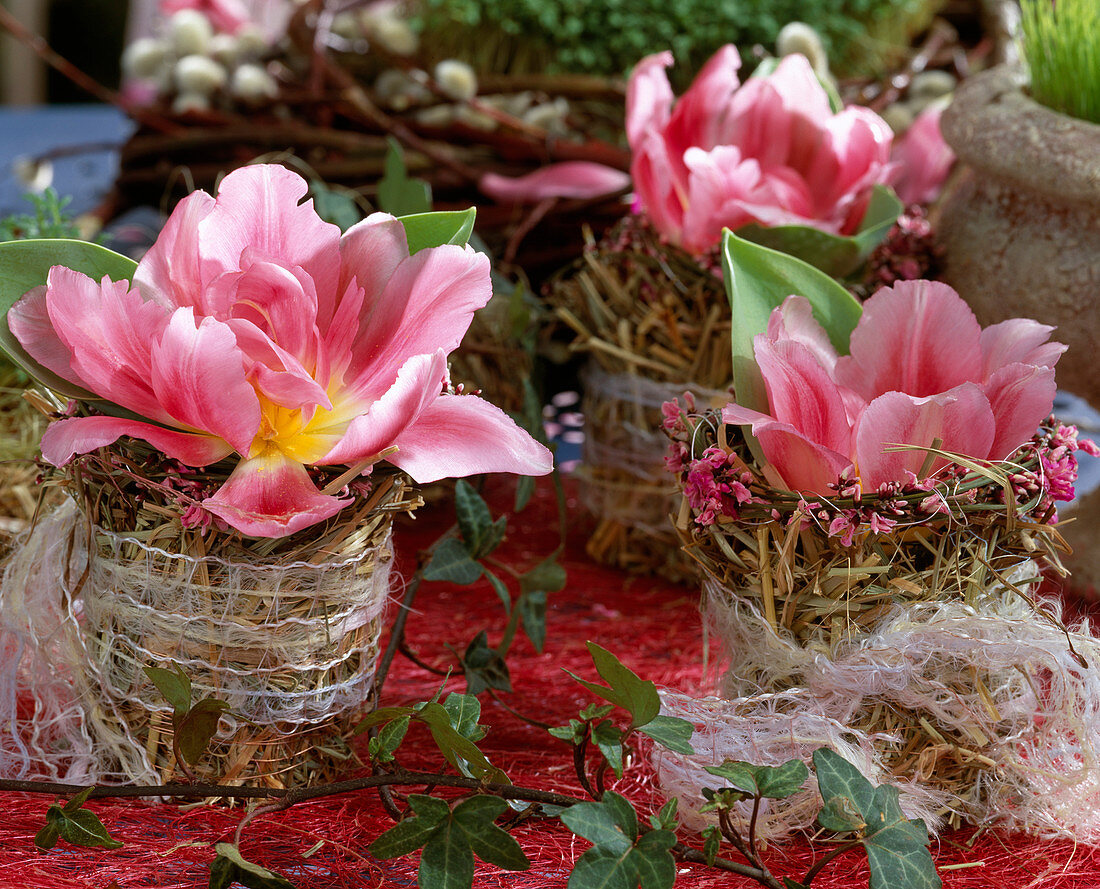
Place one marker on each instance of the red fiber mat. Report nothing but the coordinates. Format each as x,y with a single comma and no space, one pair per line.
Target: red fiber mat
652,626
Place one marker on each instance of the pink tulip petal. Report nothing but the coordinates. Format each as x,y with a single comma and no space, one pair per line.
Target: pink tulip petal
459,435
1021,396
418,384
271,496
370,253
276,374
63,439
961,418
923,159
198,377
648,97
918,337
697,118
29,321
803,464
277,301
802,394
660,185
257,210
1018,340
427,304
794,320
109,330
170,272
571,179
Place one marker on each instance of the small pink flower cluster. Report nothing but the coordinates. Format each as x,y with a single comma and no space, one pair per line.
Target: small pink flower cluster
718,484
908,253
1056,475
713,487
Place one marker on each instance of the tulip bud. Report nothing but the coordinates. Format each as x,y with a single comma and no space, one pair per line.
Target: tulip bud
190,32
456,79
253,85
199,75
144,58
798,37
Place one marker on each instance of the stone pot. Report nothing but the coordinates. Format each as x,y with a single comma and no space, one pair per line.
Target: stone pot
1020,219
1020,226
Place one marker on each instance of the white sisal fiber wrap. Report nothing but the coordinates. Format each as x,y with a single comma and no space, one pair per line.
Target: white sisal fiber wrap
623,437
285,645
992,671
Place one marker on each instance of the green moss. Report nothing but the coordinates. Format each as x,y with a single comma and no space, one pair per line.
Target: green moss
1062,47
609,36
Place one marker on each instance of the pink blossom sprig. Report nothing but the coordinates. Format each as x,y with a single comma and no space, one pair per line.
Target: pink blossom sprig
722,484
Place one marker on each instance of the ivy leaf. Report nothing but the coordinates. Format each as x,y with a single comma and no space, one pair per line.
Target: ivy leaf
654,862
596,711
624,689
671,732
397,193
462,753
450,839
195,730
413,832
174,686
609,739
451,562
75,825
712,843
383,745
381,715
525,487
610,824
465,713
897,848
48,836
771,782
758,280
231,867
447,861
840,816
547,576
78,801
532,613
438,228
619,858
574,733
665,819
501,590
484,667
481,534
25,265
475,817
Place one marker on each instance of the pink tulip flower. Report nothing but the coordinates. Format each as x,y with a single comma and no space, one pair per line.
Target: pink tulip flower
920,369
769,151
253,327
922,159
